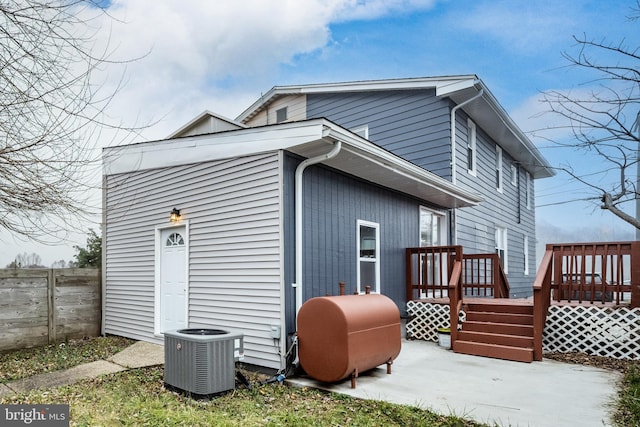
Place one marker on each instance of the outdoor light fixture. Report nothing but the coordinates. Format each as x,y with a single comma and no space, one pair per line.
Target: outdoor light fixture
175,215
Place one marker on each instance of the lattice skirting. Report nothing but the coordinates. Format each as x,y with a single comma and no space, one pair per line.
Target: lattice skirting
612,331
425,319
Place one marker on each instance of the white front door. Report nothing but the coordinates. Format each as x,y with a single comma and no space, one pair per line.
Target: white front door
173,279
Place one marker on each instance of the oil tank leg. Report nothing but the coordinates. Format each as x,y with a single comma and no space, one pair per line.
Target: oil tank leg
354,375
389,363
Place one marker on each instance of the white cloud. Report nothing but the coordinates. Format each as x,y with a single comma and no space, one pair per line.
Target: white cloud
201,55
191,51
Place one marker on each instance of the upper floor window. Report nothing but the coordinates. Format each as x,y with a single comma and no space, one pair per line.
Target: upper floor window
499,169
471,148
527,192
281,115
514,174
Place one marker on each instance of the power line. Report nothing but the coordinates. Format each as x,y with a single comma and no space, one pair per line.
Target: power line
565,202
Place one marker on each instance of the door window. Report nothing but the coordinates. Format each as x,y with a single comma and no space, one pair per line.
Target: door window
501,247
431,228
433,266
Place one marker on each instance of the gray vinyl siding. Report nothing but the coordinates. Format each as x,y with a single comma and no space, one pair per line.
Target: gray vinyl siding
411,124
296,110
235,265
333,202
416,126
476,226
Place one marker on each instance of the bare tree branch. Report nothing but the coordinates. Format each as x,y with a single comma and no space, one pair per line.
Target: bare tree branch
51,111
603,120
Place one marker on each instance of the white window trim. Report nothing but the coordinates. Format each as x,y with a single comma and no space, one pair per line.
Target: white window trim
376,260
499,172
158,254
527,183
362,131
472,146
526,255
441,218
514,174
503,245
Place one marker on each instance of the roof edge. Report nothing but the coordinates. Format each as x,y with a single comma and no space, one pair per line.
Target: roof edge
440,83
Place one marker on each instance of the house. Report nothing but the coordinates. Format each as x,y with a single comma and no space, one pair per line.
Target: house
487,154
310,186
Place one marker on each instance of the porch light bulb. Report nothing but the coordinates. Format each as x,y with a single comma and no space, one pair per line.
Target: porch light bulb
175,215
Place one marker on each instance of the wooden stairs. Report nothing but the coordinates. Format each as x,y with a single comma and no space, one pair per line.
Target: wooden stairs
498,328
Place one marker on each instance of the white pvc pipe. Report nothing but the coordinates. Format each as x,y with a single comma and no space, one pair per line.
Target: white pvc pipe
298,213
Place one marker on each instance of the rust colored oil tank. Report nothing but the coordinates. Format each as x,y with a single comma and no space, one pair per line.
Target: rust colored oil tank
340,336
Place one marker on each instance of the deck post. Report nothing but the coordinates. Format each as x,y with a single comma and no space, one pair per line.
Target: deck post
635,274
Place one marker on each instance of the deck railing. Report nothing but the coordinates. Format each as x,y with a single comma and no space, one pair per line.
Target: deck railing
429,271
445,272
541,301
483,276
596,272
591,273
455,300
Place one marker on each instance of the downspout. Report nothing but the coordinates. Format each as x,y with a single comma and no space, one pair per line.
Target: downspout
298,213
453,153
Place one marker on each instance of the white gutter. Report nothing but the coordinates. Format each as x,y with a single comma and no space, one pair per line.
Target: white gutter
453,132
298,213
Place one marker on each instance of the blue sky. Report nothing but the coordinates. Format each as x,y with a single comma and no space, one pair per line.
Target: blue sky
220,56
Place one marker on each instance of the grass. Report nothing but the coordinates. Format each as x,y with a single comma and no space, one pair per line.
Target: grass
138,397
25,363
627,406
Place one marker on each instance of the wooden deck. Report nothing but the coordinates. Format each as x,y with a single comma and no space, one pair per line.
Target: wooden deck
575,274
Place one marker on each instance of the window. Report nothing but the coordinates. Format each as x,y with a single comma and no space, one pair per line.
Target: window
368,242
174,239
499,169
471,147
281,115
432,233
514,174
363,131
527,191
431,228
526,255
501,247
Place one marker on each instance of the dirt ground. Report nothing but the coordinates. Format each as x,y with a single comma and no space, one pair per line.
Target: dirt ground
597,361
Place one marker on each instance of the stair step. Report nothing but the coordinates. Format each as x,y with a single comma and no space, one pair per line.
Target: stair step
496,351
501,307
512,318
492,338
498,328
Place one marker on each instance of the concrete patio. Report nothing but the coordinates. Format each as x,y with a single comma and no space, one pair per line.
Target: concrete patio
538,394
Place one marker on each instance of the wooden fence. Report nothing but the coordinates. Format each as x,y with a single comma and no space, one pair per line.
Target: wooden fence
43,306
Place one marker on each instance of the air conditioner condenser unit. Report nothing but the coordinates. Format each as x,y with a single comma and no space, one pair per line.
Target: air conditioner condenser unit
201,361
